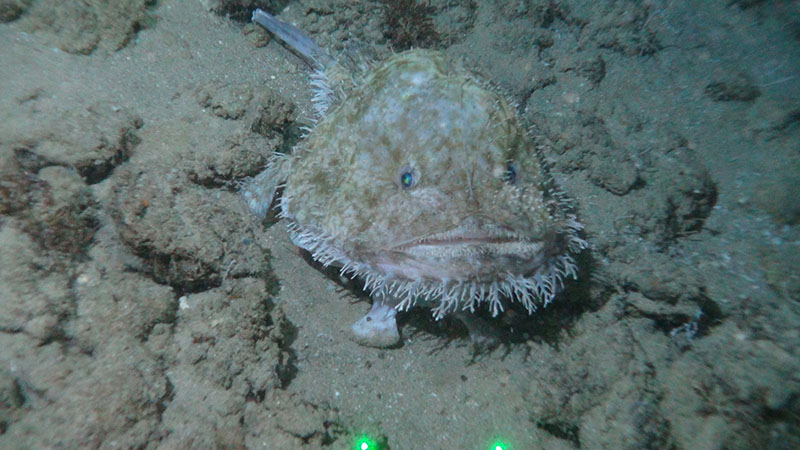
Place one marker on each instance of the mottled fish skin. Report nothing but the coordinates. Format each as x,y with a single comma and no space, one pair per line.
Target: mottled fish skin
423,181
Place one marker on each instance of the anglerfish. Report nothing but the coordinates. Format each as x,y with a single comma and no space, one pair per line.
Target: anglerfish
421,179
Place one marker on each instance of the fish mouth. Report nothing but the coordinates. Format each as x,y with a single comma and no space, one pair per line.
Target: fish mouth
466,252
457,239
470,239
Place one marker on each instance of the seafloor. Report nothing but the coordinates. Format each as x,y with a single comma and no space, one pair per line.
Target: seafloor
142,306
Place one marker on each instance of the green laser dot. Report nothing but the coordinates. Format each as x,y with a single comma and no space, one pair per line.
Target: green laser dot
499,446
365,443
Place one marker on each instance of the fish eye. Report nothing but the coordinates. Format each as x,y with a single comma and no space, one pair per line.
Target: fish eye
510,175
407,177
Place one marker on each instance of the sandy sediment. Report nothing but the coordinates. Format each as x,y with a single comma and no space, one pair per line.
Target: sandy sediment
141,305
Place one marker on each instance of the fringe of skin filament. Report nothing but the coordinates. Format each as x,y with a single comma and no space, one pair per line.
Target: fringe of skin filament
452,295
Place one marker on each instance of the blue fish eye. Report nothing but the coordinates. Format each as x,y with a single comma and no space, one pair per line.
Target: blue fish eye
407,179
511,173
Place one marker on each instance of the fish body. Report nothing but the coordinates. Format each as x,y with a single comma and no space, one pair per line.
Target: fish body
420,178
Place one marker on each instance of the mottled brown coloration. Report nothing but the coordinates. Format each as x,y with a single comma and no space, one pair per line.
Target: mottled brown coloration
423,181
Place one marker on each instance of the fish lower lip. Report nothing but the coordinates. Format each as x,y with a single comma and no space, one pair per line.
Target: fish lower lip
465,235
461,241
469,246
